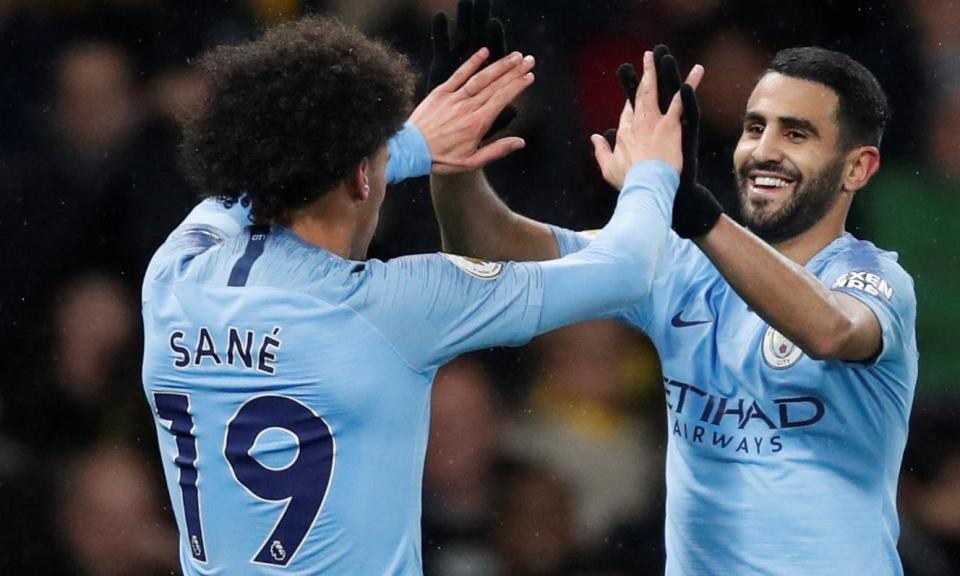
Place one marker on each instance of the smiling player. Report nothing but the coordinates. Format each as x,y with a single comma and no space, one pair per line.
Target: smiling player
289,376
788,346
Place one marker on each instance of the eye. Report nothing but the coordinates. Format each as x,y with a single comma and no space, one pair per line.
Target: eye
753,129
796,135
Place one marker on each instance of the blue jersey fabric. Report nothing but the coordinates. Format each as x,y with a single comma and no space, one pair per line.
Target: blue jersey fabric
291,387
778,464
409,154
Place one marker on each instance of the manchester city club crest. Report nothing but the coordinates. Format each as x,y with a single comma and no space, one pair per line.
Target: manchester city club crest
778,352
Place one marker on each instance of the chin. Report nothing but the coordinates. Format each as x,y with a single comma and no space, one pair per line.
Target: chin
761,220
757,210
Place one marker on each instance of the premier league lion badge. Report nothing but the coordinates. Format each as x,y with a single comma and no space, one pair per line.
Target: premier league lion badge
479,268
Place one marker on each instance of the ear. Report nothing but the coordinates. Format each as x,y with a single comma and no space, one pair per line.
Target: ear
862,163
360,188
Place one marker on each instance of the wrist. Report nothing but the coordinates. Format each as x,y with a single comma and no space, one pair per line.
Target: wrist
651,167
696,211
409,154
654,180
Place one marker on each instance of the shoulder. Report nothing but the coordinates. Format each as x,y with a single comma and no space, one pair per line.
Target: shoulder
436,267
859,265
291,264
191,252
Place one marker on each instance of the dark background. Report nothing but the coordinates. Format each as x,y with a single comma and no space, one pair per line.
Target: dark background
545,460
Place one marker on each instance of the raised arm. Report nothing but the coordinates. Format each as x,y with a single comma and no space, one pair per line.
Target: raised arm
445,138
474,221
442,135
617,269
825,324
497,303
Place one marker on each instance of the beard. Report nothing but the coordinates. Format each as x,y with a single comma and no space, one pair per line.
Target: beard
809,203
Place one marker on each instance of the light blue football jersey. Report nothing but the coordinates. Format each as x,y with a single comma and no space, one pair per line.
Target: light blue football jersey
778,464
291,387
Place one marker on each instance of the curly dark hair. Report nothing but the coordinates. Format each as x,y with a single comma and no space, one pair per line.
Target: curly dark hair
291,114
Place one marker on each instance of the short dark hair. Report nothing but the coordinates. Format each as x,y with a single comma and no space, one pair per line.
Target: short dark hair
292,113
862,110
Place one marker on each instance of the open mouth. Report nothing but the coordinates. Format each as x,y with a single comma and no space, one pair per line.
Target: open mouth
770,184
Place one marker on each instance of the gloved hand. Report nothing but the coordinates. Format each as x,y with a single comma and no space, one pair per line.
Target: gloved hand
475,29
695,209
668,82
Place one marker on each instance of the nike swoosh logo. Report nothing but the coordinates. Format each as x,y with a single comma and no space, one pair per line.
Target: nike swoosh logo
679,322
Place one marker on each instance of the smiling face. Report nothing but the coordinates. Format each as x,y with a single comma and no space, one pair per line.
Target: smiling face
789,164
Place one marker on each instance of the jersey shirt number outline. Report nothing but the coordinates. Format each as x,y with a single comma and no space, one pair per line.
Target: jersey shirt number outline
297,482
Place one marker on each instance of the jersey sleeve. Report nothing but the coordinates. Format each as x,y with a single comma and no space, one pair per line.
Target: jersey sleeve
886,288
674,260
433,307
569,241
436,307
409,155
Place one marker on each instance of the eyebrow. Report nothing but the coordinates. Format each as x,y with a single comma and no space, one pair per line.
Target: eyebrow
787,121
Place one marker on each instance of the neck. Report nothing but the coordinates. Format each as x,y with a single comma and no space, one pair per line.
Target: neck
327,223
330,236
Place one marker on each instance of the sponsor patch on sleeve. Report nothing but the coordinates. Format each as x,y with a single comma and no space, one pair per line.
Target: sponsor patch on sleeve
478,268
865,282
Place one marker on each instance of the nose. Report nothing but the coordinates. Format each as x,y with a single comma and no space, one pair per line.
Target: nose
768,147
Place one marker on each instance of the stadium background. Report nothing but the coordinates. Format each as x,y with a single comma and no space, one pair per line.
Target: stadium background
545,460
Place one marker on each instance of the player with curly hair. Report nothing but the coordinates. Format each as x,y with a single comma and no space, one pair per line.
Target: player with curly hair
288,375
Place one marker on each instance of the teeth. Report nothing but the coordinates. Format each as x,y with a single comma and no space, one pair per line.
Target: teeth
769,181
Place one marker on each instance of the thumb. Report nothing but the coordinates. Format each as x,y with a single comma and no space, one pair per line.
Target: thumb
602,151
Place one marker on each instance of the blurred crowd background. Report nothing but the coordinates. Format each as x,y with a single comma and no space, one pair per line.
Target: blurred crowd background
545,460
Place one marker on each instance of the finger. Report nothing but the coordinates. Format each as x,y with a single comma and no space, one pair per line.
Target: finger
505,95
668,78
495,75
689,132
501,81
478,28
691,109
602,151
695,76
675,109
647,97
464,21
441,35
494,151
496,39
663,93
659,51
626,116
629,80
466,70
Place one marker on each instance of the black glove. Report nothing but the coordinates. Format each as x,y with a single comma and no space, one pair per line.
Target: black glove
475,29
695,209
668,82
